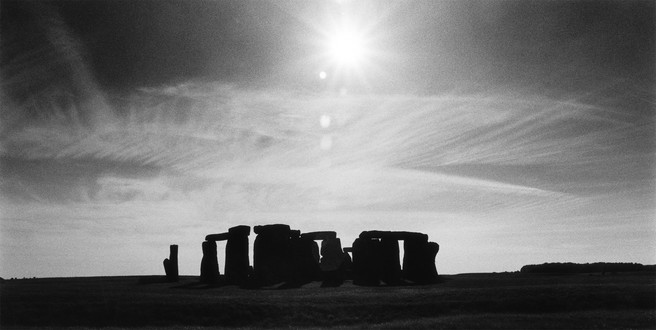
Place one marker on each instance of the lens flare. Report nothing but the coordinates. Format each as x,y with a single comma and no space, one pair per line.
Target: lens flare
325,121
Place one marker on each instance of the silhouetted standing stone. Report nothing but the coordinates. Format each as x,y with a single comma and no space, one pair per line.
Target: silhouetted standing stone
209,265
271,254
432,250
391,265
332,255
237,262
366,261
419,261
305,266
334,262
237,269
171,264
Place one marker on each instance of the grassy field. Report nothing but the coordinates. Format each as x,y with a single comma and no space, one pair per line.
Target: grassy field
465,301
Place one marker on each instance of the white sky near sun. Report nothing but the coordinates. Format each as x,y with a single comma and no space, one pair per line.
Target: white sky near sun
500,178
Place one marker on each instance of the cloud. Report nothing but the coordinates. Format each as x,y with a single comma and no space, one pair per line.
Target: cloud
273,141
200,129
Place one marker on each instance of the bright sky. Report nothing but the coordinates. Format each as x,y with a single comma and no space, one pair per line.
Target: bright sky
510,132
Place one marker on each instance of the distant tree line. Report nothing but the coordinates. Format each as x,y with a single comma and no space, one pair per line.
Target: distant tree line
597,267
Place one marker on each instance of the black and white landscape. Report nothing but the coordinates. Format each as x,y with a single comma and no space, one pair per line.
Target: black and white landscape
511,133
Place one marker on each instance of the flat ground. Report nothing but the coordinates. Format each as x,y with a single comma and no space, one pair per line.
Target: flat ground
465,301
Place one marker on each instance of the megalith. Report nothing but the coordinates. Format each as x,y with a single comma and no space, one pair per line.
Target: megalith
332,255
320,235
332,260
367,262
237,264
335,263
237,267
271,254
171,264
391,264
419,261
376,258
209,265
304,263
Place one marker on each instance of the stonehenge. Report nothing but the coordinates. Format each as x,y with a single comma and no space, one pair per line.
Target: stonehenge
283,255
171,264
237,266
334,263
376,258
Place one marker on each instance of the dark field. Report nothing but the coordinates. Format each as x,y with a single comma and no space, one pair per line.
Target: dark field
466,301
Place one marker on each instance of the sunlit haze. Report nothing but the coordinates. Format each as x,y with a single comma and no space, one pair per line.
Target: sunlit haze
510,132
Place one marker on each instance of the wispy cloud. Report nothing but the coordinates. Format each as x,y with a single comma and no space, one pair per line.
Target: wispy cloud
258,137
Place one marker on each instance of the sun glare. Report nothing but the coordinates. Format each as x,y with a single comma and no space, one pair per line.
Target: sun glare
346,48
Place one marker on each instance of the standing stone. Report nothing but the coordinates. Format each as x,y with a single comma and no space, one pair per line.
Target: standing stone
305,267
419,261
431,252
391,264
334,262
366,261
237,267
271,254
209,265
332,255
412,259
171,264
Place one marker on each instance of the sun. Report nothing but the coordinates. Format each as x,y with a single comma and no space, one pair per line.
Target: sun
346,47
